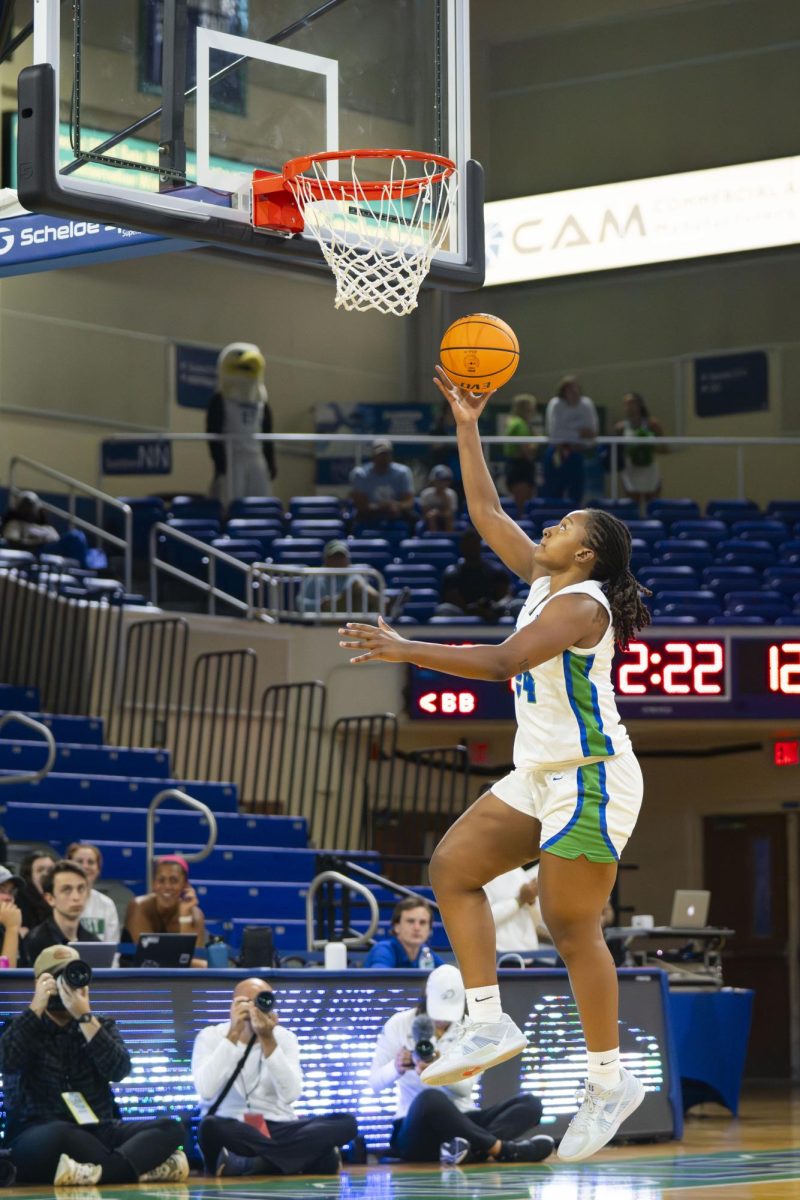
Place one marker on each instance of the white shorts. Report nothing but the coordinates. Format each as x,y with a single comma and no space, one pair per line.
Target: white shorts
587,809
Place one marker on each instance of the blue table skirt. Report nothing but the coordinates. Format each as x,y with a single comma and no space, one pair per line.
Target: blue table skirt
711,1032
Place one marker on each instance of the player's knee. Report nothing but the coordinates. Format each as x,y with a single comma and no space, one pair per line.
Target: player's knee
443,868
573,938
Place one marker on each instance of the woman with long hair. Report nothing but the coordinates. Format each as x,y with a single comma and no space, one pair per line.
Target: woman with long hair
575,791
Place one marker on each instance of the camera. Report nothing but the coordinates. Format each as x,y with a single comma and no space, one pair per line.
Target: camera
265,1001
422,1035
76,974
424,1051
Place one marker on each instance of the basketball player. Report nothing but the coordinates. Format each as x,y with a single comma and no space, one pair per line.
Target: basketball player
575,790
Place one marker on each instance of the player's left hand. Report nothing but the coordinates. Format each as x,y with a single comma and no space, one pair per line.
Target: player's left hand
379,643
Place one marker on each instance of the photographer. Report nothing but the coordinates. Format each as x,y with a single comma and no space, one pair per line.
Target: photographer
248,1075
442,1124
58,1060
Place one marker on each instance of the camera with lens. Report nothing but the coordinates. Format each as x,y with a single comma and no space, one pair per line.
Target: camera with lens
422,1035
76,974
265,1001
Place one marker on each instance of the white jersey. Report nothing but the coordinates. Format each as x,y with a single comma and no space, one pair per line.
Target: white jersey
565,708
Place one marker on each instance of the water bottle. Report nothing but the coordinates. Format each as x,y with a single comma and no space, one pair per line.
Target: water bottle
217,952
4,963
425,962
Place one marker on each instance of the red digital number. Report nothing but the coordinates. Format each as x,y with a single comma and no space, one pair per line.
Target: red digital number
784,677
626,685
702,685
671,672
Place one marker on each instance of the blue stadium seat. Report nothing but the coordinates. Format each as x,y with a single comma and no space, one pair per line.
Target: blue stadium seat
700,613
86,760
59,789
298,551
677,619
673,510
774,532
739,619
722,579
745,553
128,859
670,576
13,697
247,549
313,527
790,551
783,579
88,731
699,596
710,531
422,604
731,510
767,610
195,508
203,528
267,507
314,502
649,531
374,552
464,619
784,510
625,508
16,558
411,575
146,511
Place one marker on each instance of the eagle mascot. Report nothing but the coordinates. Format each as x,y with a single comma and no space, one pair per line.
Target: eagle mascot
239,409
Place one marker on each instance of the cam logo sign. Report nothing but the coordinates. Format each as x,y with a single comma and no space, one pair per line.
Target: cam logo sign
141,456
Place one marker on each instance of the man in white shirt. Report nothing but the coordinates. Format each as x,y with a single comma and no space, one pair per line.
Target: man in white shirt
442,1124
253,1129
571,424
514,899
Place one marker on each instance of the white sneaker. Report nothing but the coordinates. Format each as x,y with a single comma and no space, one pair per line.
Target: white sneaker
478,1046
172,1170
74,1174
600,1116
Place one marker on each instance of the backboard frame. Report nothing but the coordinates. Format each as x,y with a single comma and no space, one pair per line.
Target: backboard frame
44,187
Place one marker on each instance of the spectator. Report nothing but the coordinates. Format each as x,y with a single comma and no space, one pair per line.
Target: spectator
384,490
474,586
25,527
72,1138
438,501
442,1123
412,921
338,593
66,890
446,454
34,869
171,907
641,477
520,456
571,424
10,916
514,899
254,1129
100,915
240,409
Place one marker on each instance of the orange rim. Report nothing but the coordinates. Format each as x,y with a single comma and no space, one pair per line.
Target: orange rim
372,191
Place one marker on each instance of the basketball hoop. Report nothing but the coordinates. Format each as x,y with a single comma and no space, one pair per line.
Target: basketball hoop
378,238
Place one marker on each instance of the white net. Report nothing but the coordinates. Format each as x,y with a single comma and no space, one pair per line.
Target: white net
379,249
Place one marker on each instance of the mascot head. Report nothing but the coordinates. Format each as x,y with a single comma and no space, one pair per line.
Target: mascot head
240,371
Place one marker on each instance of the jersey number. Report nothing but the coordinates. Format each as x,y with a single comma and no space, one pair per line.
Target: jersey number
525,683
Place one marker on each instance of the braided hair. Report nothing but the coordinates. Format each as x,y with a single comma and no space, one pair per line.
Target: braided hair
611,542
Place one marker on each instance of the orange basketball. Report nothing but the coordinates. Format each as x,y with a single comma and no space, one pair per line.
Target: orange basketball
479,352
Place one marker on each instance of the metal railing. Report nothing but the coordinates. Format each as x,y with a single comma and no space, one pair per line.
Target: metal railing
334,877
76,488
190,802
47,734
285,595
212,559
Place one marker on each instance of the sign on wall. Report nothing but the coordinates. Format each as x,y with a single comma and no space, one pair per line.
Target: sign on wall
137,456
731,383
723,210
195,375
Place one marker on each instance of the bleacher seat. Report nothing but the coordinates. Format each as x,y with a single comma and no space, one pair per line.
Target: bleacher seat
784,510
202,528
195,508
700,602
790,551
739,619
256,506
85,760
298,551
676,619
623,508
774,532
246,549
299,503
399,575
16,558
462,619
743,552
145,512
766,604
669,576
673,510
649,531
722,579
708,530
88,731
60,789
326,528
783,579
731,510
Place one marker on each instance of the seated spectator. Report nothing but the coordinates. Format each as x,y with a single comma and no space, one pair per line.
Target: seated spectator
473,586
514,900
571,423
434,1124
34,869
66,890
641,477
171,907
337,593
412,921
384,490
520,455
438,501
247,1073
72,1137
24,525
10,917
100,915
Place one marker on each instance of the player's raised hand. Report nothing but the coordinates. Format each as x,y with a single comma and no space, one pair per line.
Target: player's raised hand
465,406
375,643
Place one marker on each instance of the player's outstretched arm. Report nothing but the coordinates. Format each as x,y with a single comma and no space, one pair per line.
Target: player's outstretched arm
497,529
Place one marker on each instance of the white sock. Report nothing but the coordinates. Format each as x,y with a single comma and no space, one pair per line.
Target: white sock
483,1004
604,1070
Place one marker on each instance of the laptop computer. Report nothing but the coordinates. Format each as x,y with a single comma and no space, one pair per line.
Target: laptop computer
690,910
164,950
96,954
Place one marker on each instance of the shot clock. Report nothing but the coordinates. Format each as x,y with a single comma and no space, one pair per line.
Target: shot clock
726,675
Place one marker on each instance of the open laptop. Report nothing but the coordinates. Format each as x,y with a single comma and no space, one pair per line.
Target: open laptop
164,950
690,910
96,954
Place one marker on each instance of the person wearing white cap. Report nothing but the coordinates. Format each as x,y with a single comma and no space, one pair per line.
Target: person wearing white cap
443,1124
384,490
348,592
439,500
58,1060
10,916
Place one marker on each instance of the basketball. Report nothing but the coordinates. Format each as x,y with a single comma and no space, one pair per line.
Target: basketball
479,352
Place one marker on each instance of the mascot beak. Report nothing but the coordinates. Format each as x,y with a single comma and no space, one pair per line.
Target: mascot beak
249,362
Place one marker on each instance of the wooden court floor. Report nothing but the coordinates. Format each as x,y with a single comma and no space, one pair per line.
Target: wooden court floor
753,1157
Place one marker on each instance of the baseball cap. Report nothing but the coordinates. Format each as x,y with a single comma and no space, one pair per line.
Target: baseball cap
381,446
440,471
53,958
336,546
7,876
444,994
